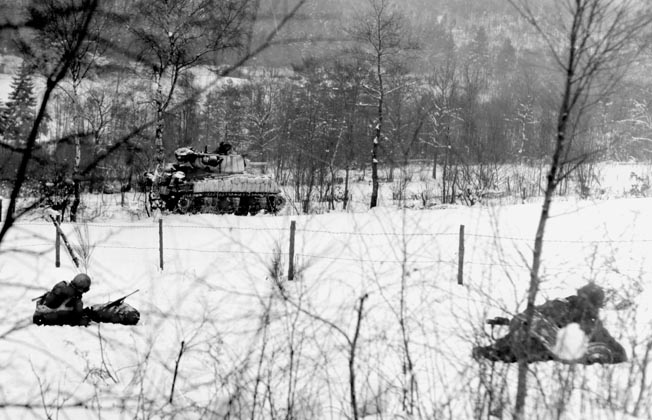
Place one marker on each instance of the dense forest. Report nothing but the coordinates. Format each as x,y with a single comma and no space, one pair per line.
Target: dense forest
462,85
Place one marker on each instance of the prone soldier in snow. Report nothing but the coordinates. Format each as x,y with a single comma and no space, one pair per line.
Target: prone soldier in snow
63,304
541,342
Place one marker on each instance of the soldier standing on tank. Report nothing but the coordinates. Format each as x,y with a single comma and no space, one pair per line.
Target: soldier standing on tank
223,149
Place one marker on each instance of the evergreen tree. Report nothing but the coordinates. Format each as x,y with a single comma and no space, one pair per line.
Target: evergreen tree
3,118
224,118
233,125
479,47
5,154
505,60
478,60
18,113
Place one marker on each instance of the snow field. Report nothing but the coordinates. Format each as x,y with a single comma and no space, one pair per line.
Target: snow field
243,334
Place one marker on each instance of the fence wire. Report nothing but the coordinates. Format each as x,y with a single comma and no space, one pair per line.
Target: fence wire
154,227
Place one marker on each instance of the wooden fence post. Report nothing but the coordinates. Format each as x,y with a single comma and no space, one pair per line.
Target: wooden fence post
57,245
293,226
460,263
160,242
60,234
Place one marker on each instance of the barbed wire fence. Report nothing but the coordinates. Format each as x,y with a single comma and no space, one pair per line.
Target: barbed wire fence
158,230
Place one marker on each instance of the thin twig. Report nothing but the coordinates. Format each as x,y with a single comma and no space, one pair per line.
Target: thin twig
352,349
41,391
106,367
176,369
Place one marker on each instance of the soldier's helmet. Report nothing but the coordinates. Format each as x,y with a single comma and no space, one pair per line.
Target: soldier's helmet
593,293
81,282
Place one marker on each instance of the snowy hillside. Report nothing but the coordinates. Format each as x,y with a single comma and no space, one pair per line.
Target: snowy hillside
256,346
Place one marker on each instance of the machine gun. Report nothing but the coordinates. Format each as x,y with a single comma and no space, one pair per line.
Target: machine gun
118,301
115,311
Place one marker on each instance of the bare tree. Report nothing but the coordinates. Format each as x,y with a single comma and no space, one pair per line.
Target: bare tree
597,39
381,31
445,117
57,37
174,36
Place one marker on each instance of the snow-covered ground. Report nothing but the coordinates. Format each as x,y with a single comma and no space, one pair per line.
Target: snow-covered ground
256,346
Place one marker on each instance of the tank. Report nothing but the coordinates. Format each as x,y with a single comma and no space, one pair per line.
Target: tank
212,183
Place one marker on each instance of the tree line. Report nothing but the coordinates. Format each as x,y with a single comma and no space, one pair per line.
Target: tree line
136,89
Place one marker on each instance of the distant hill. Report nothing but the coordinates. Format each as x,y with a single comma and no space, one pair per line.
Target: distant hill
319,28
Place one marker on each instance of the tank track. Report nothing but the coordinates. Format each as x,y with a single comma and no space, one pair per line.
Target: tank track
223,203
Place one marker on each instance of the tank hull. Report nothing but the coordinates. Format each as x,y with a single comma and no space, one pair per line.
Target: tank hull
213,183
235,194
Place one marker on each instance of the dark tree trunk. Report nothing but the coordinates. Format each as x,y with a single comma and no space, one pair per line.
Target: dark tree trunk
377,137
75,202
434,164
346,189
